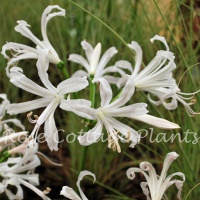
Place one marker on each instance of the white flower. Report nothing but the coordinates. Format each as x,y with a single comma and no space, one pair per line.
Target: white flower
156,78
106,114
156,186
51,98
21,51
70,193
20,171
94,65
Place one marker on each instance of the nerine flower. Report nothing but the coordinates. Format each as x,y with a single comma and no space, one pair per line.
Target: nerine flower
51,98
20,171
94,65
156,186
70,193
109,110
157,78
21,51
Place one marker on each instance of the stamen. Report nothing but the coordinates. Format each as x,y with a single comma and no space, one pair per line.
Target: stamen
47,190
128,137
113,143
32,120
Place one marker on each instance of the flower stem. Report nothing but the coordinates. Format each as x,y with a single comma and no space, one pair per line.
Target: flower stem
60,66
92,99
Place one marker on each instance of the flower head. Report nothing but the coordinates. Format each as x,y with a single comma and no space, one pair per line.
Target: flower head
156,186
20,171
109,110
51,98
94,65
21,51
157,78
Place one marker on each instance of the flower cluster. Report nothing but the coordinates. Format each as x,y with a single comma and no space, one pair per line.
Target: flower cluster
156,79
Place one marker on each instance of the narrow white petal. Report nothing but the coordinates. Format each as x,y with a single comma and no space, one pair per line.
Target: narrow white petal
125,95
42,66
88,50
92,135
80,60
81,175
138,57
17,108
157,122
34,189
22,28
105,92
46,16
162,39
123,64
105,59
21,81
69,193
95,58
129,111
74,84
51,132
80,107
48,110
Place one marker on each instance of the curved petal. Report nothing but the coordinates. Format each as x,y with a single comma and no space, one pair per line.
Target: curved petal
105,92
46,16
34,189
51,132
81,175
123,64
162,39
92,135
125,95
130,173
155,121
80,60
69,193
74,84
138,57
20,80
88,50
22,28
42,66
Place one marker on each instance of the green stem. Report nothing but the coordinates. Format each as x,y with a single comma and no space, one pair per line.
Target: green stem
62,68
92,99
